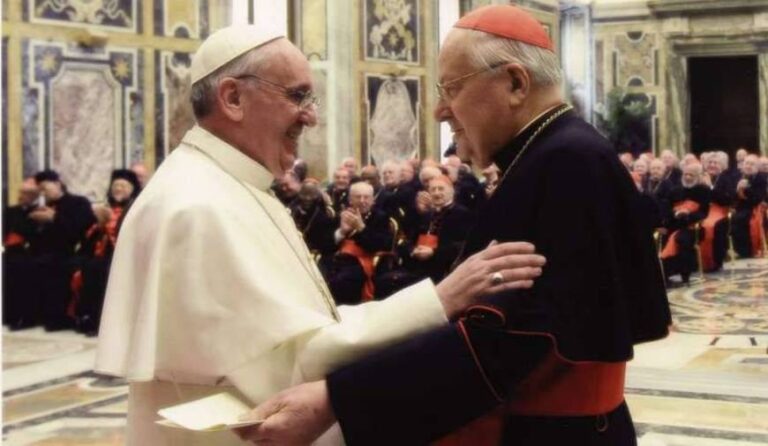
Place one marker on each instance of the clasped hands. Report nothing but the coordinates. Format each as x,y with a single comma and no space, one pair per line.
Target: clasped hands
43,215
351,221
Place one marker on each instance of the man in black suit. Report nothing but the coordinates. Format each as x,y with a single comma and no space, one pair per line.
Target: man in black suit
546,364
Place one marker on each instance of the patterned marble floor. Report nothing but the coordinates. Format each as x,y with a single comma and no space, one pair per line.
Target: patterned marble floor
705,385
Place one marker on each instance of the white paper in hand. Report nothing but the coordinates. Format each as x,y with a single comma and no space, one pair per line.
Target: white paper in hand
214,413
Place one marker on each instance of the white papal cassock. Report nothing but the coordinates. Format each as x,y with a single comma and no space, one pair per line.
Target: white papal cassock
213,289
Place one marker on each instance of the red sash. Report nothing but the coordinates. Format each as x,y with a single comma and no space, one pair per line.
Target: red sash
556,388
670,249
351,247
111,226
76,286
13,239
428,240
706,246
756,230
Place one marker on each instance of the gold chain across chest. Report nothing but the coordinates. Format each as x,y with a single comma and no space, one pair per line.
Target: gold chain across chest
528,142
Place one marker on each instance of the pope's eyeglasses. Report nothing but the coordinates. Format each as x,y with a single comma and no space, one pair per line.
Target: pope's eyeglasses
302,98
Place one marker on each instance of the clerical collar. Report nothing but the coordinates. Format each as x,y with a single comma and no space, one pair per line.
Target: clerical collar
229,158
444,208
504,157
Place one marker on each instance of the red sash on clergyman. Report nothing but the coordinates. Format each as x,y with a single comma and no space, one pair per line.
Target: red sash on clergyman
351,247
556,388
756,229
13,239
428,240
111,226
76,286
706,245
670,249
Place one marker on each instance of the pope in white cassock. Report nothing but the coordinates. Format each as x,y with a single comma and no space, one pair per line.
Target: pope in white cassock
212,288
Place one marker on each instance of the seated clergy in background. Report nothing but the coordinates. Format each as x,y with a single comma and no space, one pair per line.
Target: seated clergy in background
18,230
419,203
388,201
61,227
688,205
314,219
640,170
440,234
672,163
338,190
545,366
763,165
350,163
655,194
741,155
212,289
363,232
408,188
747,227
287,188
370,174
90,281
714,237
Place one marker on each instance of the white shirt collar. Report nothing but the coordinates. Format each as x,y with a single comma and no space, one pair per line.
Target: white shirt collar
231,159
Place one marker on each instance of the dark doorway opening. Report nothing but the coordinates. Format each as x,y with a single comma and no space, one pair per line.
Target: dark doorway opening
724,103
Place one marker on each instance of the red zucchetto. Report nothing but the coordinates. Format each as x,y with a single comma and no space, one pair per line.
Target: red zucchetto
507,21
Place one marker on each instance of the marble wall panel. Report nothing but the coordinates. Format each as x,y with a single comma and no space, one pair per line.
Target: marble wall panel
392,123
31,119
313,144
85,106
115,15
173,109
82,112
635,58
392,30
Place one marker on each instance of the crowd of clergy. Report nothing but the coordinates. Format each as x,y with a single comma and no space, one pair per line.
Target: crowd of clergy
57,249
704,210
373,230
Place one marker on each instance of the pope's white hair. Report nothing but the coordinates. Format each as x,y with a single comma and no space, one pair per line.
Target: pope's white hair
203,92
487,50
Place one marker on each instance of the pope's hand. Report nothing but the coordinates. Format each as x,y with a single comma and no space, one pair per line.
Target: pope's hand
497,268
294,417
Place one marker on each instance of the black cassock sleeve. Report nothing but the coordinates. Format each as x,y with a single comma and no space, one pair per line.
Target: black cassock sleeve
418,391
